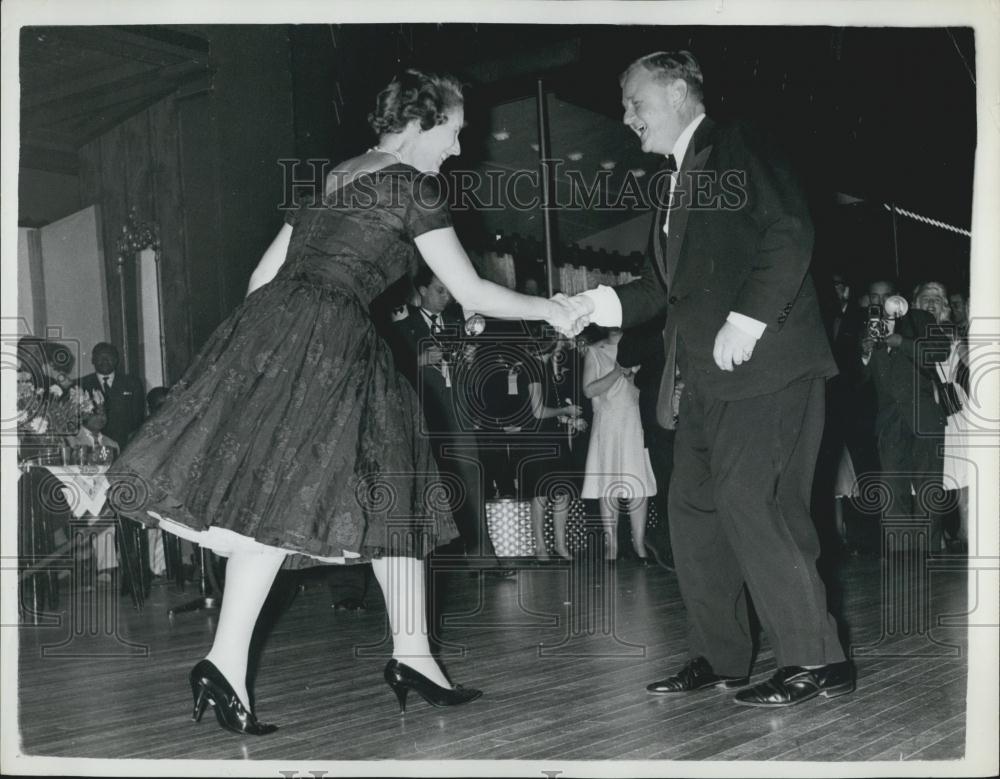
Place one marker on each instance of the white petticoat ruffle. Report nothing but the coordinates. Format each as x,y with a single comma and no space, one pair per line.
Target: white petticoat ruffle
226,543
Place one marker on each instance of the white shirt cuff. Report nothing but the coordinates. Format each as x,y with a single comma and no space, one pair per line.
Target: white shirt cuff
747,324
607,306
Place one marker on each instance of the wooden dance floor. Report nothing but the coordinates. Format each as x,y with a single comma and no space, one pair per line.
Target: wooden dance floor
562,654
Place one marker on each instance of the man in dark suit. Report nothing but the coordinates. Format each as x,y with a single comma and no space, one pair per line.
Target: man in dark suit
124,396
910,423
850,415
729,264
429,350
853,399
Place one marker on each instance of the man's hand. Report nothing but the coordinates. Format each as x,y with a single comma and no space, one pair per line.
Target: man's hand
585,305
569,315
867,347
894,341
732,347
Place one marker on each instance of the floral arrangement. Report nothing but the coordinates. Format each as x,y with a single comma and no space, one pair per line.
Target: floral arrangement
53,410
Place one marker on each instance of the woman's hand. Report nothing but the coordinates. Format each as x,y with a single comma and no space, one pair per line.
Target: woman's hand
567,315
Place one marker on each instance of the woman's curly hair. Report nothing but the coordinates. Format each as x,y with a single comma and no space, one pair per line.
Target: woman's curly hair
415,94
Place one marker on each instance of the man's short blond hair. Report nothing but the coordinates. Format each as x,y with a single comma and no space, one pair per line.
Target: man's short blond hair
669,66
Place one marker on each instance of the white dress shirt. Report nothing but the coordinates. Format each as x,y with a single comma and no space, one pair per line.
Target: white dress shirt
434,325
607,306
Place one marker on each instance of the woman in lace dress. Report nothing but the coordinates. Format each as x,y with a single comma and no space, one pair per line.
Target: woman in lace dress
291,440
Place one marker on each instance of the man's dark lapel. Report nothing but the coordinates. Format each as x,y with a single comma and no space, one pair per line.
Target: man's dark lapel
694,159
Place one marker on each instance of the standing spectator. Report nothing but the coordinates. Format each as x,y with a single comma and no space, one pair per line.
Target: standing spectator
848,444
550,479
959,303
124,397
643,345
910,423
430,352
618,464
497,405
953,391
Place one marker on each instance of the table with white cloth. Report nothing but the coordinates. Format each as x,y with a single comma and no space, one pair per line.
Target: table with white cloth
56,504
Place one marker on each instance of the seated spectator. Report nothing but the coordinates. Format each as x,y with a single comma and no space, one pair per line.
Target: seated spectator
91,433
155,398
102,542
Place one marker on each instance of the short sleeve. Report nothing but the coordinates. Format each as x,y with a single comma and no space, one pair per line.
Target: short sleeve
429,205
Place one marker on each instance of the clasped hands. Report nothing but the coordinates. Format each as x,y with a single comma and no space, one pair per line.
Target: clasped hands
570,315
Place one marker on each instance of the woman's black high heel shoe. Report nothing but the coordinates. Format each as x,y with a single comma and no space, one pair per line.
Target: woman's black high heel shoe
401,678
209,686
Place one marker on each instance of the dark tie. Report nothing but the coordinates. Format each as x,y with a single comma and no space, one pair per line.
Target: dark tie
434,322
669,165
107,387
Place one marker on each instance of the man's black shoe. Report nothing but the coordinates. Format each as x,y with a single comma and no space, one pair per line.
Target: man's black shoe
793,684
696,675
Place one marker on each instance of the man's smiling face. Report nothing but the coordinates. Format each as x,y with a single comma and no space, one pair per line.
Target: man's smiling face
651,110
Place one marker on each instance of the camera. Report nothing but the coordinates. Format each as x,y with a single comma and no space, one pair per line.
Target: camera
880,315
454,344
877,325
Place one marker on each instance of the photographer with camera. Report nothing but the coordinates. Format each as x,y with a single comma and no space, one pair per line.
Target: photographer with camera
900,347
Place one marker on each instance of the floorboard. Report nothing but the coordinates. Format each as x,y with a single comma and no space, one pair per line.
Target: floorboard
563,659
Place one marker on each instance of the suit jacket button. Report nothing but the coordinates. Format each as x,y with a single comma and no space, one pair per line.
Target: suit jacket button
672,299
